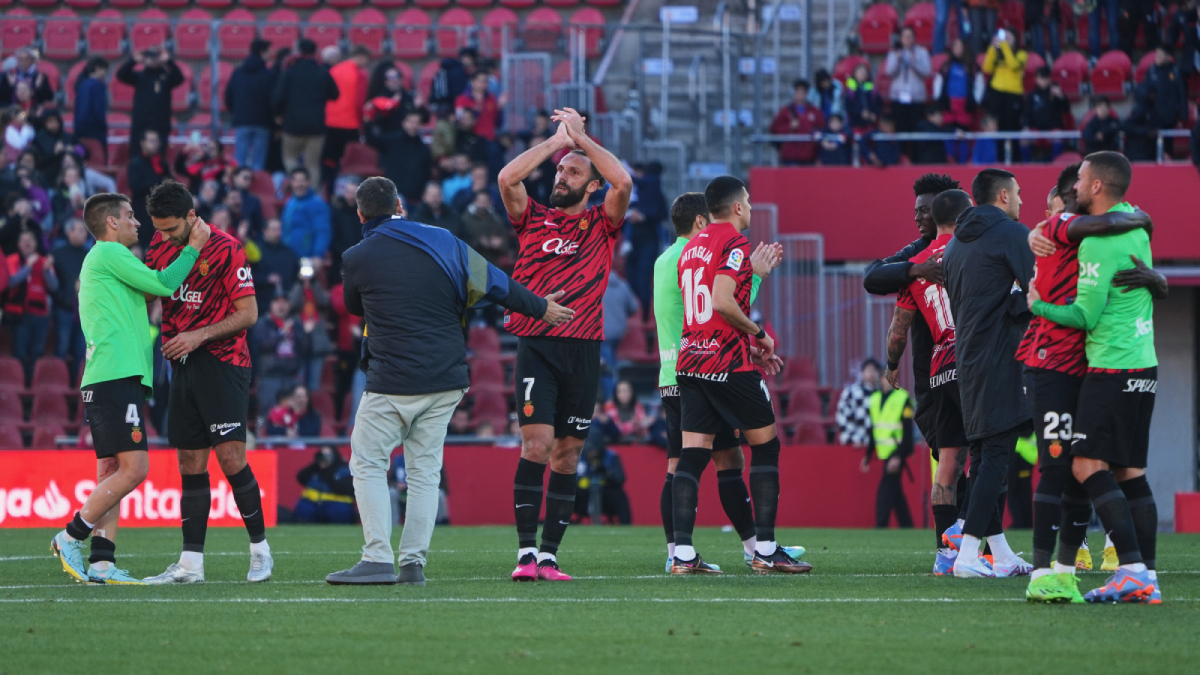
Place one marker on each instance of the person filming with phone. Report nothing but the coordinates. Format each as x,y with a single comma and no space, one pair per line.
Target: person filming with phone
310,304
1005,64
153,75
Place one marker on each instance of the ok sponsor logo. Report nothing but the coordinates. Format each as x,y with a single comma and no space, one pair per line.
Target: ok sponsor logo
1140,385
1143,327
245,279
182,294
559,246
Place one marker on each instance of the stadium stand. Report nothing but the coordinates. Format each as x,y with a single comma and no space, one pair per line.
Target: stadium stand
875,29
193,34
235,34
410,36
1111,74
324,27
106,33
368,28
62,34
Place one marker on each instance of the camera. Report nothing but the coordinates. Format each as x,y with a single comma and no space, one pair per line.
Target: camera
306,268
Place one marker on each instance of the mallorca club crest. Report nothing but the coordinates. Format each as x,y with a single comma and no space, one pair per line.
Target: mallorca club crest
1055,449
528,409
136,435
203,267
583,224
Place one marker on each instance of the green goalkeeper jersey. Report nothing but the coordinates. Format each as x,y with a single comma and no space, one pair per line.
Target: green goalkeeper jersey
1120,325
668,309
112,310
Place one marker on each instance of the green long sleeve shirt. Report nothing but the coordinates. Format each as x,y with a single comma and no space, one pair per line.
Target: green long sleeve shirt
112,310
1120,325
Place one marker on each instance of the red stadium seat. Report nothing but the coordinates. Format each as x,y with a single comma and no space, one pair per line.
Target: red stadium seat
52,73
18,29
151,29
39,3
432,4
561,73
282,29
920,18
490,408
1144,65
1070,72
453,31
1033,62
214,4
361,160
1012,17
258,4
406,73
844,69
591,22
475,4
50,374
171,4
105,34
322,402
1068,158
480,339
542,29
487,375
388,4
425,79
345,4
180,94
12,375
498,24
193,35
49,407
369,29
43,437
325,28
10,438
11,411
121,95
520,4
1109,75
236,33
76,4
876,27
410,36
60,37
560,3
72,76
300,4
97,158
126,4
634,346
204,85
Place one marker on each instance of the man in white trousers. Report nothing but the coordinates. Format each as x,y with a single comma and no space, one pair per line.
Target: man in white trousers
413,284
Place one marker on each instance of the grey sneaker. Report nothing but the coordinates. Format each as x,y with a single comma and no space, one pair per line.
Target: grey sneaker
365,574
261,565
176,575
411,575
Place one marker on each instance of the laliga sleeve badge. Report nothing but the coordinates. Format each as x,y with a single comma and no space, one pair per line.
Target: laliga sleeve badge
136,435
735,259
1055,449
528,409
203,265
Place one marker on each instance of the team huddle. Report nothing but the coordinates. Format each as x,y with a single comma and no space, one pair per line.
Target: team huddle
1082,372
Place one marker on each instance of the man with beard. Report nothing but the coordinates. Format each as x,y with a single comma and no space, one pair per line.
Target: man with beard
569,248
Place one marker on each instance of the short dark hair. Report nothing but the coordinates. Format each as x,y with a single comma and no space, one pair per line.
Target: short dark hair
1067,179
169,199
934,184
796,84
98,208
359,50
243,169
685,209
988,184
259,46
376,198
869,361
1044,71
722,192
306,47
595,172
299,169
1097,100
1112,169
948,206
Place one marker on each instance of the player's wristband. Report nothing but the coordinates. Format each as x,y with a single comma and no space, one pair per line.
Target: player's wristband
893,366
762,333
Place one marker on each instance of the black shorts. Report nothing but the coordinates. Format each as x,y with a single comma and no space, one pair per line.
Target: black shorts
1054,397
948,422
741,401
209,402
727,438
1112,423
557,383
115,411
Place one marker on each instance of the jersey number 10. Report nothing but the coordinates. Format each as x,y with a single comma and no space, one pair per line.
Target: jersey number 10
697,298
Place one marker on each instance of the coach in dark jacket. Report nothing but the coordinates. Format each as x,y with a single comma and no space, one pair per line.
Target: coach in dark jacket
299,101
988,266
413,283
403,156
152,87
1163,91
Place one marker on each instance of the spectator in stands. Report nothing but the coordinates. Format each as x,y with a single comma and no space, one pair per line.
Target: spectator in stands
306,218
1046,109
882,153
68,262
299,104
69,196
931,152
643,229
603,468
433,210
467,141
487,107
231,203
629,415
18,133
91,102
344,114
26,71
1139,14
276,269
1112,8
1165,85
251,206
207,198
328,495
18,219
460,423
827,95
619,304
330,56
941,19
908,66
1041,18
853,414
540,129
31,283
460,179
603,425
441,144
487,232
987,150
1184,26
1005,63
540,183
983,22
147,168
954,86
293,415
349,342
248,100
452,79
93,179
479,183
346,226
387,99
281,344
798,117
51,143
152,87
403,155
1141,131
862,101
202,161
310,304
835,146
1103,129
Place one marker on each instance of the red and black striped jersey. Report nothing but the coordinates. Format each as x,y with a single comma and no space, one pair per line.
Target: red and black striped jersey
1047,344
710,346
564,253
219,277
934,304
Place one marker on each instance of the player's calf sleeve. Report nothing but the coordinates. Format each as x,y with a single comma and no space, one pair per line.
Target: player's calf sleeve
193,509
1113,511
103,550
78,528
764,487
1076,514
666,508
527,500
735,499
1047,513
560,504
685,492
249,502
944,516
1145,516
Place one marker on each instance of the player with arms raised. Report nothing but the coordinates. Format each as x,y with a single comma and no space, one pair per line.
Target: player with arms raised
117,380
566,252
204,336
719,384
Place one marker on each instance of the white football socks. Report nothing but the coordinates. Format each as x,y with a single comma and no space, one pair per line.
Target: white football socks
522,552
191,560
671,550
968,550
749,544
1001,551
1108,542
101,565
1134,567
685,553
765,548
260,547
544,556
1038,573
1060,568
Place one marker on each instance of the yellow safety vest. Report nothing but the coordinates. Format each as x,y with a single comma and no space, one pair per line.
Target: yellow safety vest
314,495
1027,449
887,420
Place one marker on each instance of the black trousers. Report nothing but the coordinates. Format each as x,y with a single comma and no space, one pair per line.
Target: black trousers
890,497
990,458
1020,493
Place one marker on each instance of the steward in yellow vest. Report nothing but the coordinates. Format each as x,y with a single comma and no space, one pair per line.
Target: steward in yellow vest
891,438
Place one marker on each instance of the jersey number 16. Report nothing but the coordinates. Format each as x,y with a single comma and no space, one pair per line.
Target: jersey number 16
697,298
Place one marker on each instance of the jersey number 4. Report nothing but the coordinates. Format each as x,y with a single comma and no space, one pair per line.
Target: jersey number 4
131,415
697,298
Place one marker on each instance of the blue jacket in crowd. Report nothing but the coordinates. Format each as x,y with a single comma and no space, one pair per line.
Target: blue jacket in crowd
306,225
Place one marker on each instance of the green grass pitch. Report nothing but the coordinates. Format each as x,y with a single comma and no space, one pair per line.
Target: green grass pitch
870,606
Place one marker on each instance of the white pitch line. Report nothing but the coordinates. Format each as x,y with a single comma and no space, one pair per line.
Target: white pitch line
433,601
